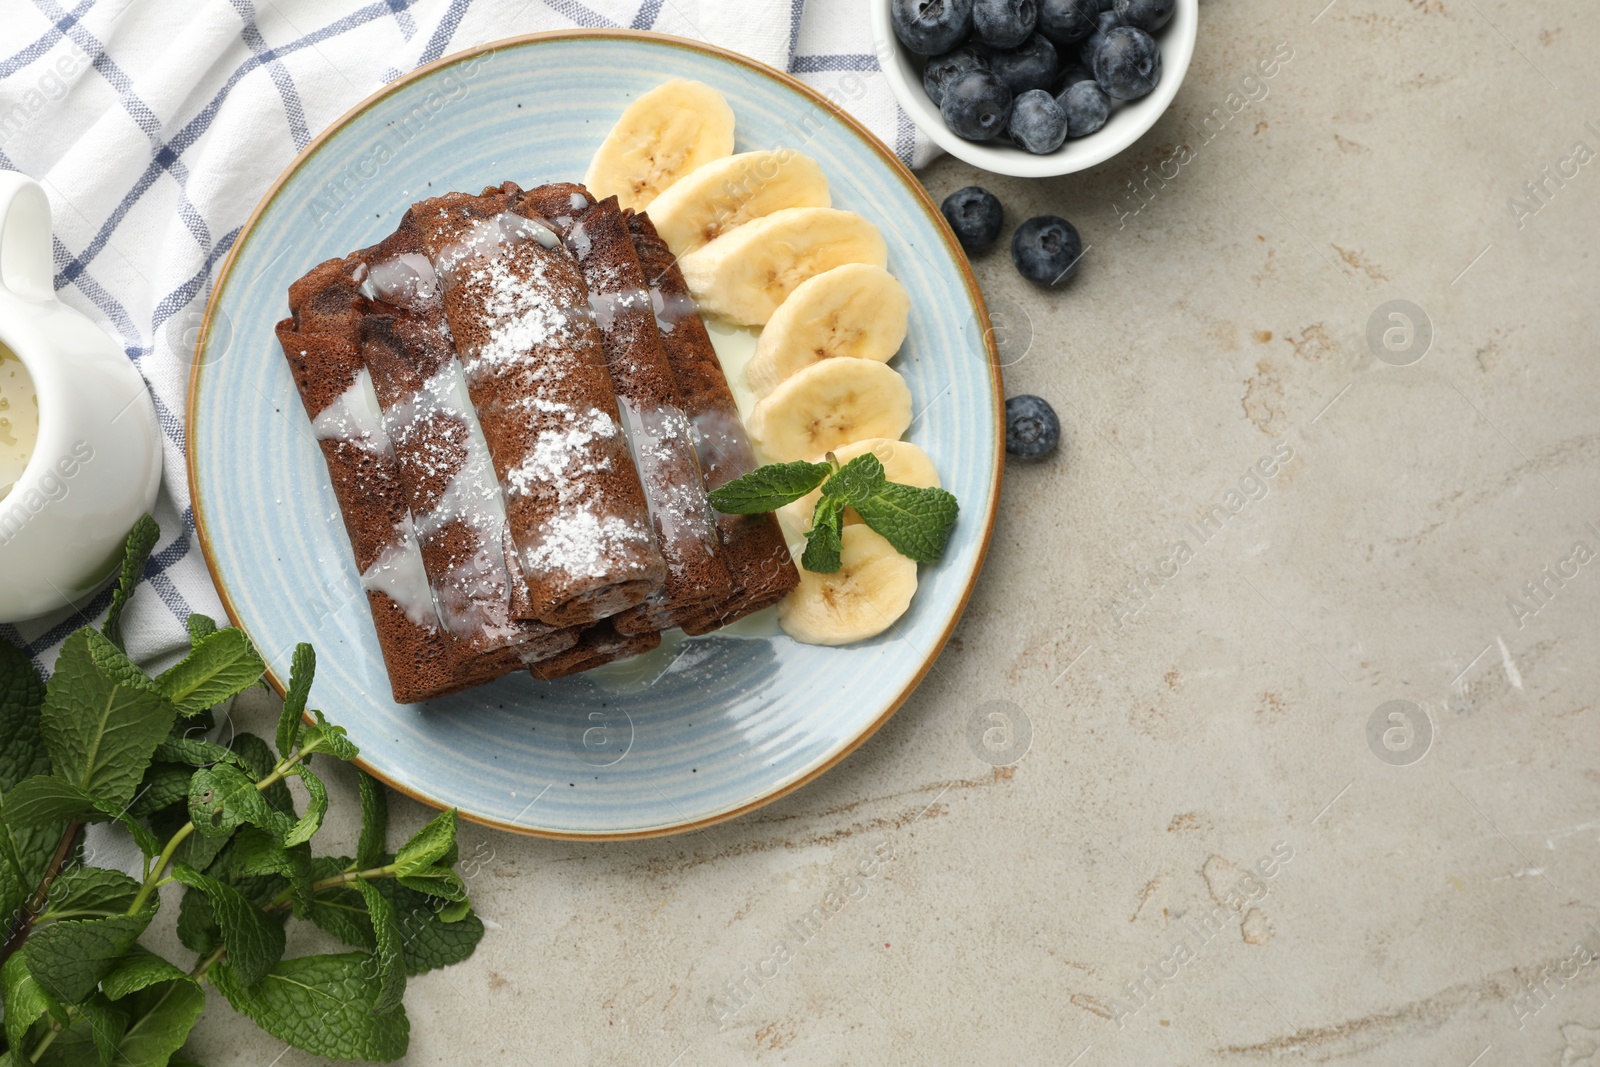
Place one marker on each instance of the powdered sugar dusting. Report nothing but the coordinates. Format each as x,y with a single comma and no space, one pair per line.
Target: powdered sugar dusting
581,543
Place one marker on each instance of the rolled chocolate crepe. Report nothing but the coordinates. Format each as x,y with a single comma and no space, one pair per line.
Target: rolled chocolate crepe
753,546
320,343
598,645
658,431
443,460
518,312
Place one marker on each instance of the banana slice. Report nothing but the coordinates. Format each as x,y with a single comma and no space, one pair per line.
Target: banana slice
827,405
747,272
902,461
673,129
871,589
856,310
730,192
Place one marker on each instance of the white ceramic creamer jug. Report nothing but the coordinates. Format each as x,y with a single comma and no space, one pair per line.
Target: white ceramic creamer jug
95,461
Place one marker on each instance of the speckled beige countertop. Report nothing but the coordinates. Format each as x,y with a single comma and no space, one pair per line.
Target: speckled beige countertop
1210,845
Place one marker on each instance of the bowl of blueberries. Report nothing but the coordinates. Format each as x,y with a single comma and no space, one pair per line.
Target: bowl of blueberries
1035,88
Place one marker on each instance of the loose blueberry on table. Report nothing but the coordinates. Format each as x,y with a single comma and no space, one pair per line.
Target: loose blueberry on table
975,214
1032,429
1046,250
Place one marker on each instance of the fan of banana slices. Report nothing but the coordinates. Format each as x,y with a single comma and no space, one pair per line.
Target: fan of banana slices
760,244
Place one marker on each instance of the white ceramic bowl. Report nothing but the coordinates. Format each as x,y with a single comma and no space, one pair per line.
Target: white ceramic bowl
1129,121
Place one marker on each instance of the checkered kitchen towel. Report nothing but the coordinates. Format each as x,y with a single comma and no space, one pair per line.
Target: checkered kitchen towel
156,125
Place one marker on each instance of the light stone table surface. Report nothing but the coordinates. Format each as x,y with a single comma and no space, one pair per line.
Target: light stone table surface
1200,701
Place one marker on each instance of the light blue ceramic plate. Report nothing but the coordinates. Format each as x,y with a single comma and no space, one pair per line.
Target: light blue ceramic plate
718,725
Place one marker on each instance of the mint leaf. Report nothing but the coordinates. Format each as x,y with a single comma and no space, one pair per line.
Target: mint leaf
255,939
322,1004
160,1016
769,488
390,955
434,843
89,893
24,852
428,941
48,801
164,784
22,753
825,540
196,752
89,1039
374,841
917,522
438,881
69,958
139,969
160,1003
102,719
259,760
200,627
326,737
220,666
141,539
316,808
197,924
26,1003
45,801
291,719
221,799
856,480
257,852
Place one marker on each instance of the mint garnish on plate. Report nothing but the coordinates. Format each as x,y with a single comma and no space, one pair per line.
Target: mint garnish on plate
916,521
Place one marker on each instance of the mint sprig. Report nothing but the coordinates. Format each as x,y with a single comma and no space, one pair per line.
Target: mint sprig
105,742
917,521
769,488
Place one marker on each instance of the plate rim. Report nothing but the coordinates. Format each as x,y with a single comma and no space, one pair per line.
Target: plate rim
919,194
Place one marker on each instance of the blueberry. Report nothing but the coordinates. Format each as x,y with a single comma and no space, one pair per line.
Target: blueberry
1108,21
1068,21
931,27
942,70
1046,250
1146,15
976,105
1032,429
976,216
1037,122
1004,23
1086,107
1128,64
1071,74
1033,66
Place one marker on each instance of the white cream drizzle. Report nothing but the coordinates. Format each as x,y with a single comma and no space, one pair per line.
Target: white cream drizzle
354,416
398,573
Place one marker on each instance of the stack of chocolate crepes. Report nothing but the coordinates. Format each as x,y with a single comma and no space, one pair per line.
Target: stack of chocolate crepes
521,414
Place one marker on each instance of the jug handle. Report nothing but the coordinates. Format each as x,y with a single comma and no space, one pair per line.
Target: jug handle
25,271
